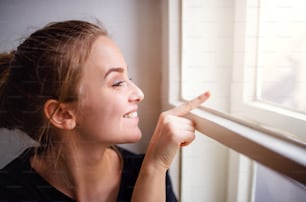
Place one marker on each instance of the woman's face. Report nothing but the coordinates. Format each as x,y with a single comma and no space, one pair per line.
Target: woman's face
107,111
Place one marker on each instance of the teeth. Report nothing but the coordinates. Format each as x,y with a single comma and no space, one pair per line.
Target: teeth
131,115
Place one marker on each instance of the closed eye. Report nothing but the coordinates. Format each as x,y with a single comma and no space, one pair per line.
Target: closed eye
118,83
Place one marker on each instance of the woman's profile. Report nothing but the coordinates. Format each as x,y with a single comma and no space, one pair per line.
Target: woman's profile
67,87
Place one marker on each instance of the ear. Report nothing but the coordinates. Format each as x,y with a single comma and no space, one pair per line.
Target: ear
59,114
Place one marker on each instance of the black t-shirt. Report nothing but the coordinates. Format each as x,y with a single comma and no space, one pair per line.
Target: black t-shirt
20,182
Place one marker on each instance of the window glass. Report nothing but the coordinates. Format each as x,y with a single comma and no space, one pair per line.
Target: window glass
281,75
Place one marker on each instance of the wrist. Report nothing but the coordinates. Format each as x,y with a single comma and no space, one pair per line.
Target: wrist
153,167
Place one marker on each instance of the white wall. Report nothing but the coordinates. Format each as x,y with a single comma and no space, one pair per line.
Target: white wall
135,25
207,44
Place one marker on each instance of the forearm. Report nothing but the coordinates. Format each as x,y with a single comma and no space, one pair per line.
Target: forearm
150,185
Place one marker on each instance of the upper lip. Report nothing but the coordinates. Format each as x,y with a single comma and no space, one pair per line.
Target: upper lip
131,111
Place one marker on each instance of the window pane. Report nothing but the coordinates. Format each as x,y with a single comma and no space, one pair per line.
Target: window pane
282,53
268,184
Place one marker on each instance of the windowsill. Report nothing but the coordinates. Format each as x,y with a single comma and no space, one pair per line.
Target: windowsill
277,151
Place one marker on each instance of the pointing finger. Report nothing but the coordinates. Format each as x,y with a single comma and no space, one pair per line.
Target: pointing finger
190,105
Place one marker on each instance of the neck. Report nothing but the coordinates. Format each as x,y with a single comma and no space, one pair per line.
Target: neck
83,174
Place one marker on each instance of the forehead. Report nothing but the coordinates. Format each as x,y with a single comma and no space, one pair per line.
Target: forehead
105,54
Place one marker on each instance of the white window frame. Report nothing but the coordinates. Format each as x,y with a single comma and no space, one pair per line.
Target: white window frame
244,81
282,153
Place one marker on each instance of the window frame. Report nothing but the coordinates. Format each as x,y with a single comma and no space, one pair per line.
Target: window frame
262,144
243,99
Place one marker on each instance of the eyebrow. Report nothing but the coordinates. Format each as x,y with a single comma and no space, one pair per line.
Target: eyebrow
114,69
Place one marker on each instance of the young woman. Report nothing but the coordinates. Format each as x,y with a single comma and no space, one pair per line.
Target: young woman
66,86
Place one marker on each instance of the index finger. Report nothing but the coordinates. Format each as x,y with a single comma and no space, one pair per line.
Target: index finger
190,105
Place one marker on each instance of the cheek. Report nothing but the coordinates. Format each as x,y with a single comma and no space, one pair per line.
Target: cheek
103,121
102,111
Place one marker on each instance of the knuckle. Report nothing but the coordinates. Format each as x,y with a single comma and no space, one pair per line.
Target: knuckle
167,118
188,106
163,115
169,127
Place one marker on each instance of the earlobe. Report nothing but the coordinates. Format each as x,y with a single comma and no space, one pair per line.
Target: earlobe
59,114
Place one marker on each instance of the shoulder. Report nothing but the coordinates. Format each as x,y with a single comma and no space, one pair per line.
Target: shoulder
14,178
20,182
17,166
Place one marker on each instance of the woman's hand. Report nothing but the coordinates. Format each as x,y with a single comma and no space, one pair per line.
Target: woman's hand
173,130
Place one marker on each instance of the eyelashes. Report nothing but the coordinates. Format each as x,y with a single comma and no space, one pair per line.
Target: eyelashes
120,83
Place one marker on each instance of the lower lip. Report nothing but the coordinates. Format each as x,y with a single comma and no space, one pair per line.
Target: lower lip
133,118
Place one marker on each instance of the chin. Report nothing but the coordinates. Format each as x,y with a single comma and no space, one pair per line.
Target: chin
134,137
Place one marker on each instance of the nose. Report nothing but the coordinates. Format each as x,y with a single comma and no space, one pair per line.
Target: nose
137,94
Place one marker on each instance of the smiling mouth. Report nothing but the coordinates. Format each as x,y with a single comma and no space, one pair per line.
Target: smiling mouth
131,115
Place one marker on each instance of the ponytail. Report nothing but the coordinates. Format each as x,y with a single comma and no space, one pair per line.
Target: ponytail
5,61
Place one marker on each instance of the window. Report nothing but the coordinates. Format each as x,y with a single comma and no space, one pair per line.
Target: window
216,45
267,70
281,54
